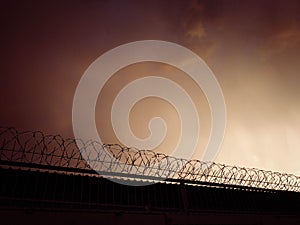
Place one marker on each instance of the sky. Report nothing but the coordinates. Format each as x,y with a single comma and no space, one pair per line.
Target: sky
253,48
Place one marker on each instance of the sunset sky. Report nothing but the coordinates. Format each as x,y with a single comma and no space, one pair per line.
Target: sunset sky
253,48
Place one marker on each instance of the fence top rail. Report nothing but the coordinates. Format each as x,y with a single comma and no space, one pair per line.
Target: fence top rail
36,148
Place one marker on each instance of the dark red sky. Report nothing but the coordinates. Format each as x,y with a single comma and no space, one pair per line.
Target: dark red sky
253,47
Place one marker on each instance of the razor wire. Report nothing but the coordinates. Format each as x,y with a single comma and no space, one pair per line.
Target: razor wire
36,148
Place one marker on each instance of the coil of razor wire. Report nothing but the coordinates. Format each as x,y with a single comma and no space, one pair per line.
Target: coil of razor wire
34,147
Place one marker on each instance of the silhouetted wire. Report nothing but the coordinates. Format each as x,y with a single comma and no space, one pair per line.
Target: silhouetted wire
35,148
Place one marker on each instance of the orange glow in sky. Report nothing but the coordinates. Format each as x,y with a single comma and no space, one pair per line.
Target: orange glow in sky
253,48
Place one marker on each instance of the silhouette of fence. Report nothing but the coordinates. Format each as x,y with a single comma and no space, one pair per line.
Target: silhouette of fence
36,150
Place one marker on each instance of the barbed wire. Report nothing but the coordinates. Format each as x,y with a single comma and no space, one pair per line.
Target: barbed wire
53,150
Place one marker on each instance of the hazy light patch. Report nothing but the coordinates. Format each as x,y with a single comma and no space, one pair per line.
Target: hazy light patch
269,146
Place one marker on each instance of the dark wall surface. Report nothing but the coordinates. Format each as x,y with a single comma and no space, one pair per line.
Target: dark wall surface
33,197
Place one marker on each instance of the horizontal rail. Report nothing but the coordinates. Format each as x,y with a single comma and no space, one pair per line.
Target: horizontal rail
53,152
